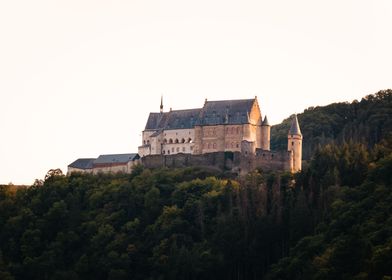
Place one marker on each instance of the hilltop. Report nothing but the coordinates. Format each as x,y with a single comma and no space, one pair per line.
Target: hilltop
330,221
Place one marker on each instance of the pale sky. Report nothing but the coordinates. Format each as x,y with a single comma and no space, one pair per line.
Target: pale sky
78,78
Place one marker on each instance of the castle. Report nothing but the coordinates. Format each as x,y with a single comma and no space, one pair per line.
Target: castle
234,126
227,134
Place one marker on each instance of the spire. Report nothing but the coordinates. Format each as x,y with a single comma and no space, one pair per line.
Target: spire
294,129
265,122
161,107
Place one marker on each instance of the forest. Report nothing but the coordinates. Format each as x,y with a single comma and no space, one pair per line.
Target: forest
332,220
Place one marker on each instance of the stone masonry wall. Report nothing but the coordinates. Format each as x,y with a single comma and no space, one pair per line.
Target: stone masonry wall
233,161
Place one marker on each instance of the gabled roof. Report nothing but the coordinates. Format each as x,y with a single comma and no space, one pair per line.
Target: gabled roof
294,129
83,163
175,119
212,113
154,120
116,158
226,112
182,119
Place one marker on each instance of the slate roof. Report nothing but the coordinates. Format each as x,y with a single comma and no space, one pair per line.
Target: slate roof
83,163
212,113
175,119
294,129
265,122
226,112
154,120
116,158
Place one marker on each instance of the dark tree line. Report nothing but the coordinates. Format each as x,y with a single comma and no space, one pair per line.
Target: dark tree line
330,221
367,121
198,224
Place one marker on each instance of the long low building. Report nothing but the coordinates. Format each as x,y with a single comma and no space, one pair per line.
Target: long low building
112,163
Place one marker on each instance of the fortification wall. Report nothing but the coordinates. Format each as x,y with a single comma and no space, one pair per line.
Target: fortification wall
233,161
221,160
270,160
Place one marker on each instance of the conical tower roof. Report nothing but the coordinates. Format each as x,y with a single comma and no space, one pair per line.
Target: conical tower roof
294,129
265,122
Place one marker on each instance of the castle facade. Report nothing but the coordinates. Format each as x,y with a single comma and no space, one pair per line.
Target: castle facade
219,126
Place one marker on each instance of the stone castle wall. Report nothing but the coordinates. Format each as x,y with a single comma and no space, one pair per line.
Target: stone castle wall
234,161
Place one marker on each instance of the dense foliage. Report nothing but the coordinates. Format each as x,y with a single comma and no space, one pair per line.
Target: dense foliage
330,221
354,238
169,224
367,121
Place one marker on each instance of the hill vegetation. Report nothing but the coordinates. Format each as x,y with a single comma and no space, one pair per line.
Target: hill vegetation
331,221
367,121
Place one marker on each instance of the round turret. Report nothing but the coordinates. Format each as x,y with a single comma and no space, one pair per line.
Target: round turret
265,134
295,144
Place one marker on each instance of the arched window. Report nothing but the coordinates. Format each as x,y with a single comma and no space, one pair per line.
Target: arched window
144,142
189,140
165,140
176,141
182,140
171,141
148,142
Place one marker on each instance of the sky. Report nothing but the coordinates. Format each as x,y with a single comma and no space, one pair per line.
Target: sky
79,78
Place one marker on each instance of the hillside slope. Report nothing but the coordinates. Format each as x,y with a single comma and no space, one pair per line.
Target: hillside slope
367,122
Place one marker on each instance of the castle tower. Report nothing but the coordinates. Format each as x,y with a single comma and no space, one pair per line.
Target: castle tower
265,134
295,144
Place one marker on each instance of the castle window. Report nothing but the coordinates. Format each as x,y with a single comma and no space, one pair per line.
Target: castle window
176,141
183,149
168,152
165,140
172,150
178,149
148,142
292,143
171,141
189,140
182,140
144,142
163,152
237,145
